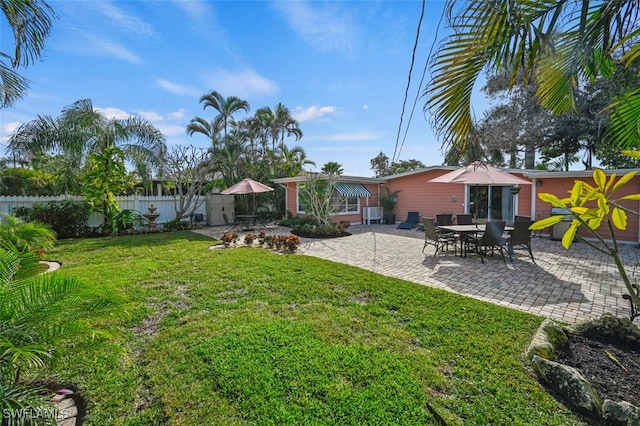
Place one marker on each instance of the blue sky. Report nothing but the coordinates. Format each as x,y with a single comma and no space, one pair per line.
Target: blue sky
340,67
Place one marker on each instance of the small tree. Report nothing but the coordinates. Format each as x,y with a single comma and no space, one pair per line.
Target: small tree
105,177
188,169
316,195
592,206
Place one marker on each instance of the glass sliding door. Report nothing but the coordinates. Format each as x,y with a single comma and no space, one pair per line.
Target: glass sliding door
491,202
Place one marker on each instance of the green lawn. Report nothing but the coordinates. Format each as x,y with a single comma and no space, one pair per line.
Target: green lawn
247,336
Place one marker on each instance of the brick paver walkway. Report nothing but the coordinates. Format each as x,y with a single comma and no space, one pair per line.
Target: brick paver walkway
567,285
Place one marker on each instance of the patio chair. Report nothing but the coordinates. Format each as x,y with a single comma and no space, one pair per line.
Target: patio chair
412,219
432,237
522,218
491,238
464,219
520,237
444,219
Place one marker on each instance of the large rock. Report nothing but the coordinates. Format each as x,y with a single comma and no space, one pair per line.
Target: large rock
620,413
608,326
571,383
550,335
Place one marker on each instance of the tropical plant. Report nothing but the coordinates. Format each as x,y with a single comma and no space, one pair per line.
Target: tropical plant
25,236
277,124
332,167
593,206
388,200
559,44
30,22
82,131
40,315
104,178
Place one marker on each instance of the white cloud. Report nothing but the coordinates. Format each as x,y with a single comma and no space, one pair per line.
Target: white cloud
175,88
324,25
7,129
150,115
125,21
365,106
171,129
113,112
313,112
176,115
114,49
244,84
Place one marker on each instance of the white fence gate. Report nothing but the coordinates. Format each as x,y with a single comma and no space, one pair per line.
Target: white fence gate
164,206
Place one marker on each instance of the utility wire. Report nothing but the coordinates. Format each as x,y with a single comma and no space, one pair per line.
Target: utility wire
424,72
406,92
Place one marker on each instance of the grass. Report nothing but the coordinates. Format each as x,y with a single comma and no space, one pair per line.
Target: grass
247,336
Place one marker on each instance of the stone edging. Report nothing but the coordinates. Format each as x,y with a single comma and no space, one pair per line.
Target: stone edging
569,381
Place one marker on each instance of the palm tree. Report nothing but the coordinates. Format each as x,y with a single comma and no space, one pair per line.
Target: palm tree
291,162
82,130
30,22
226,107
86,136
210,129
559,44
277,124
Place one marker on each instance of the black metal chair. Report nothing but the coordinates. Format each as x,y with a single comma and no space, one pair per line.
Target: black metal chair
432,237
520,237
412,219
464,219
522,218
491,238
444,219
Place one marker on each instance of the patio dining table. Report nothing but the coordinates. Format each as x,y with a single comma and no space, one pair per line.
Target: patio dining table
465,230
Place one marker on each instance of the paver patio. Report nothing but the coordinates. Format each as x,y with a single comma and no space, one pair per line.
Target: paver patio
567,285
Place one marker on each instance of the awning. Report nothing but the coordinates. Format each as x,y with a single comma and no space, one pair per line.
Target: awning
350,189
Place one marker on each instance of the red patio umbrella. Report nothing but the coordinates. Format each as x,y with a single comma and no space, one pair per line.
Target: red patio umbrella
480,173
247,186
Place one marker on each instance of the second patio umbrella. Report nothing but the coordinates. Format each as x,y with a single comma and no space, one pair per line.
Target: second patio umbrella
247,186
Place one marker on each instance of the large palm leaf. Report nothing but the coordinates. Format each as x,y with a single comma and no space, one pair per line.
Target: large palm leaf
563,41
30,22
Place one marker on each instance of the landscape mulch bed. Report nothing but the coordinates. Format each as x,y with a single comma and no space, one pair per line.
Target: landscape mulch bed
608,377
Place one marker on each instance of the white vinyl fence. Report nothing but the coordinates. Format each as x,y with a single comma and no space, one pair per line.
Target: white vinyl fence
164,206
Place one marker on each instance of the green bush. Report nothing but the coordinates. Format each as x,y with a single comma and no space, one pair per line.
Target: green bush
25,236
125,221
330,230
176,225
67,218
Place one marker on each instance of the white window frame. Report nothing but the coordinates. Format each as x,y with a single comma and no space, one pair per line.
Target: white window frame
339,197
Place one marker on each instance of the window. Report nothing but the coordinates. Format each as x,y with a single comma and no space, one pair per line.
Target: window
339,203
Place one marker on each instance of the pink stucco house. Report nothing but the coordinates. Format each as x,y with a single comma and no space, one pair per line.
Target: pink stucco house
491,202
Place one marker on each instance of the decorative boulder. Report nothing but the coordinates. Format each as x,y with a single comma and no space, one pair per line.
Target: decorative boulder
549,336
620,413
571,383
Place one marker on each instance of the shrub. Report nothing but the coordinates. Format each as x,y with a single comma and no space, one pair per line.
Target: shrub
126,221
249,238
330,230
177,225
25,236
67,218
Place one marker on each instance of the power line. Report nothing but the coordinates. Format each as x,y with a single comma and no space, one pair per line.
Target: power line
406,92
424,72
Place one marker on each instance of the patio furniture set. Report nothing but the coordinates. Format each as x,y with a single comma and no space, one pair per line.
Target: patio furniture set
472,237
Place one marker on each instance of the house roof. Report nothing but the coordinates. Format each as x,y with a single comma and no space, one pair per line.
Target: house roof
539,174
418,171
343,178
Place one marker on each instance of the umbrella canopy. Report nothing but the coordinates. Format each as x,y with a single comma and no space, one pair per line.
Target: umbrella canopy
247,186
479,173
